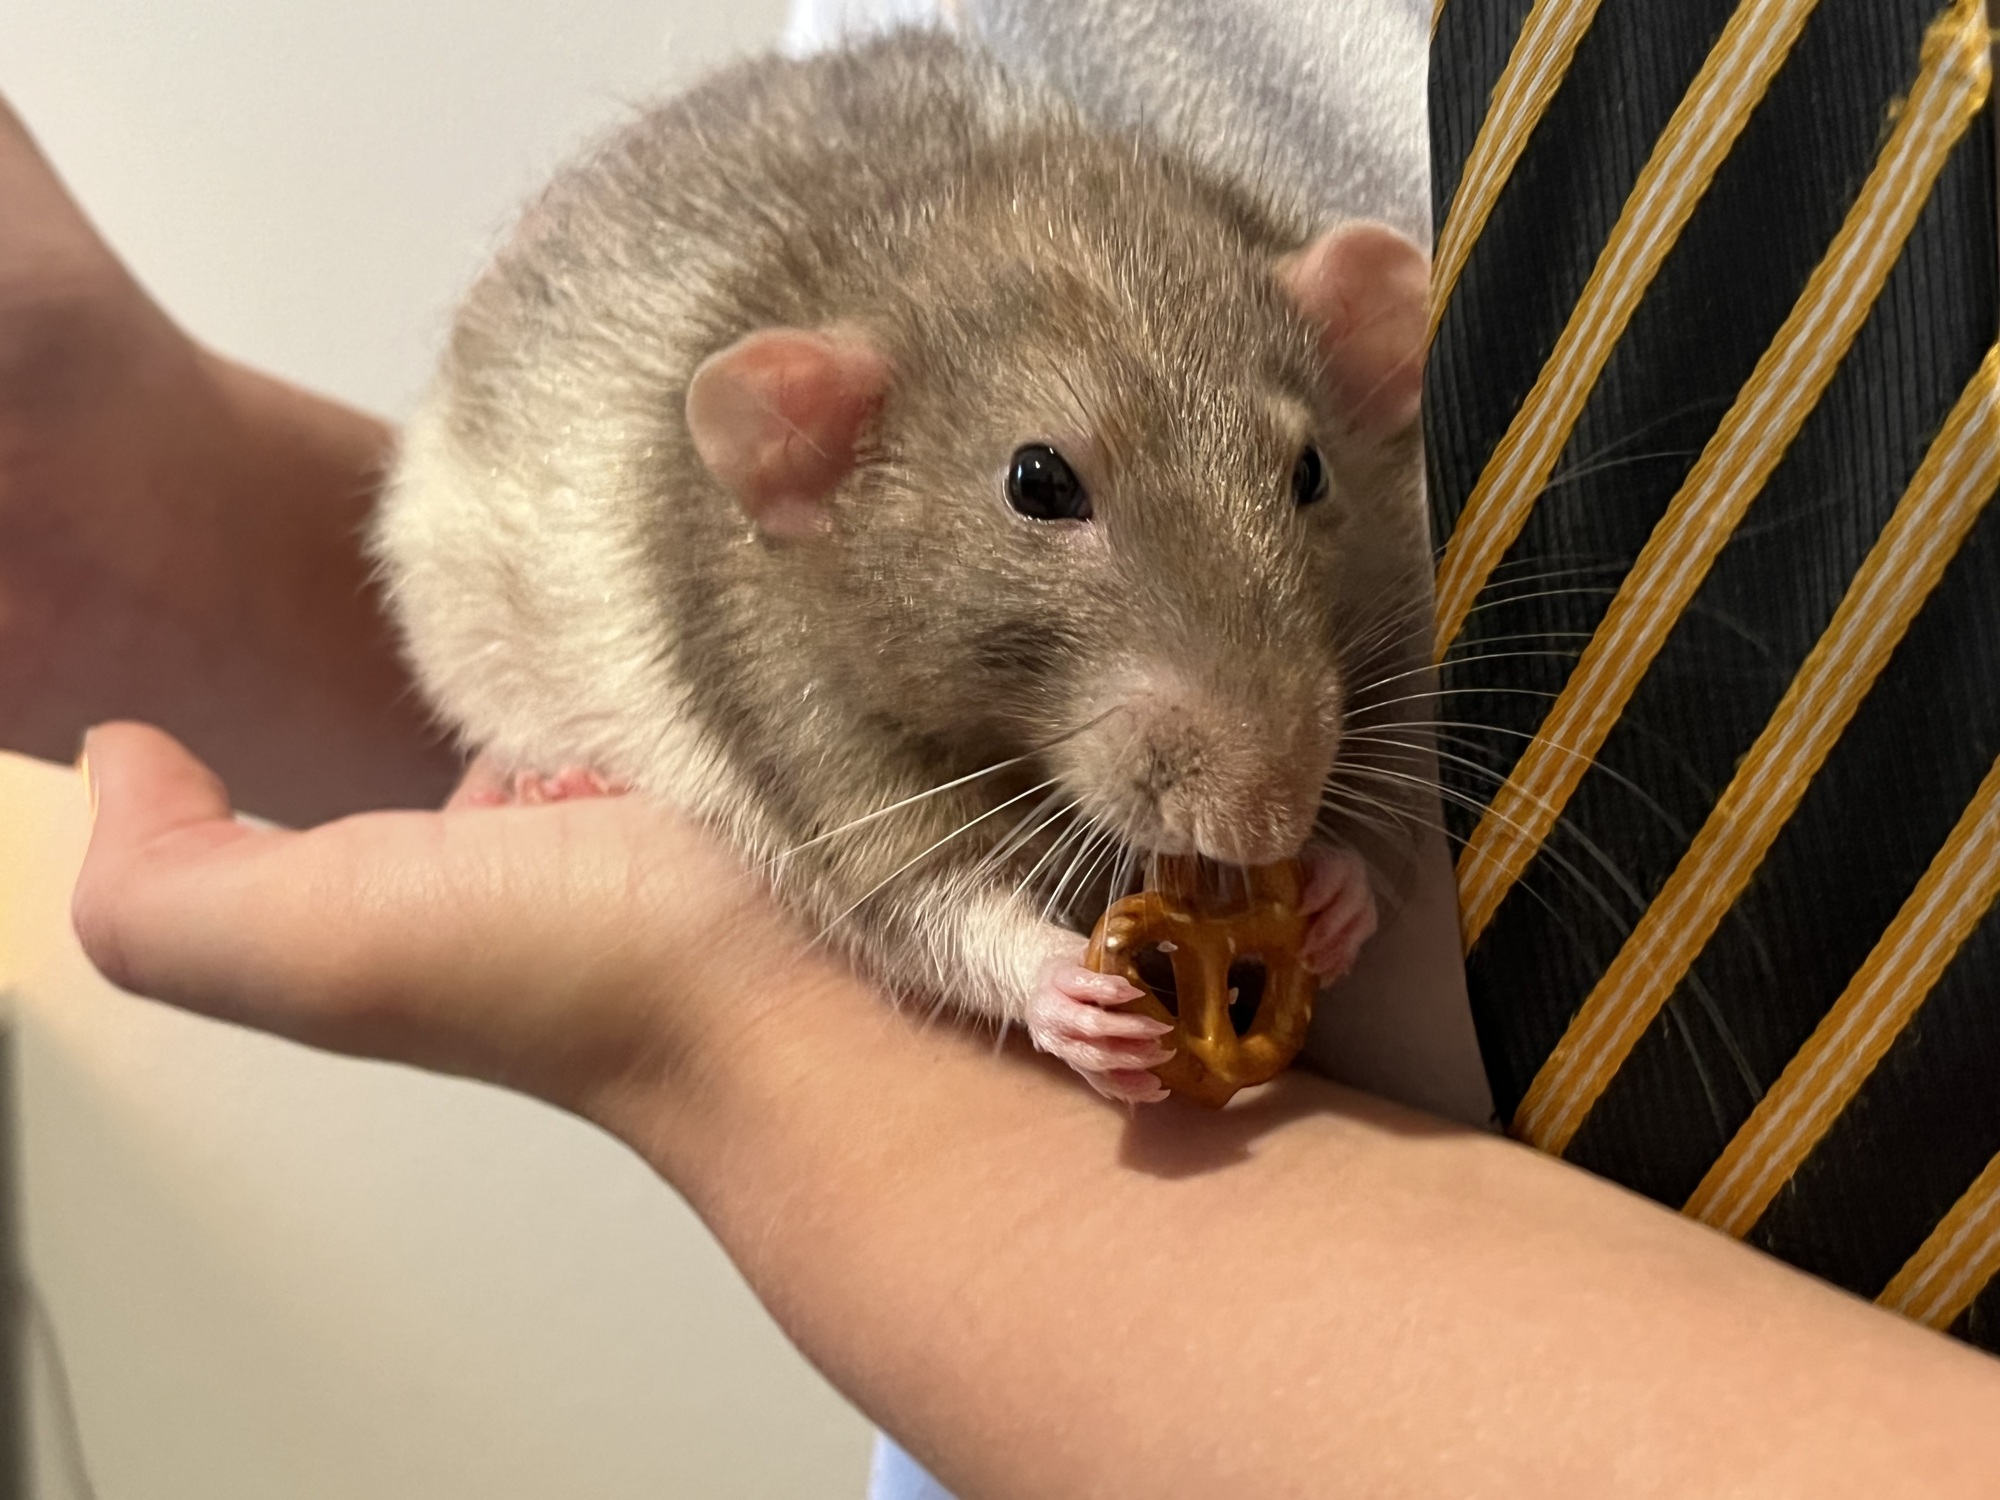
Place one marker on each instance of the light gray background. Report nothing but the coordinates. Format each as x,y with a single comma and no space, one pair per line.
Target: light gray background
275,1275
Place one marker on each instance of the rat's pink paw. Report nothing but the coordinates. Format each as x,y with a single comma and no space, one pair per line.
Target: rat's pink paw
1069,1018
570,784
1339,906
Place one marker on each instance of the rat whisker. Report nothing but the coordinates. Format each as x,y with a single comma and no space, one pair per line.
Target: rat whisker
827,929
882,812
1570,591
1026,830
1561,919
1464,734
897,806
1703,999
1466,661
1499,778
1101,867
1432,694
1128,865
1646,429
1081,837
1028,881
1548,851
1589,470
1116,851
1374,814
1096,848
1514,572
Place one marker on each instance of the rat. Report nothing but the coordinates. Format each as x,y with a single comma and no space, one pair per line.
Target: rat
952,503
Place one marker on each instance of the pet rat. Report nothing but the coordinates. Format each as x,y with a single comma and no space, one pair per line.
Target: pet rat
949,501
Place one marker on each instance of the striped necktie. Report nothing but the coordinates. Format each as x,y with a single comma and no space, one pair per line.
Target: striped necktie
1713,414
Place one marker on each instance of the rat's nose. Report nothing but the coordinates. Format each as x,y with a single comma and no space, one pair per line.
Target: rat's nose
1253,821
1239,785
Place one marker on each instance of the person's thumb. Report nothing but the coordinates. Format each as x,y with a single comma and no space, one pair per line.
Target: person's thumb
152,804
144,784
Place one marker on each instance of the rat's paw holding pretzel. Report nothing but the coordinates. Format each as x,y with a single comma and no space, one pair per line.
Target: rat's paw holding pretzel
1218,954
1072,1016
1338,904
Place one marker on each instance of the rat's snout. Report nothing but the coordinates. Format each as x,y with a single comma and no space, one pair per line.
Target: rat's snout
1211,770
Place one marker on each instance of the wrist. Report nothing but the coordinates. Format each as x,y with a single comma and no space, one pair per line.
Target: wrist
734,1011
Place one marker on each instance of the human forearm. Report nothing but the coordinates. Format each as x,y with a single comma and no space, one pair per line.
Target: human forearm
312,704
179,537
229,603
1315,1295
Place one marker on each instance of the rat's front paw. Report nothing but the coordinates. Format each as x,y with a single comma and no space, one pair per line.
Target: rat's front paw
486,785
570,784
1339,907
1070,1018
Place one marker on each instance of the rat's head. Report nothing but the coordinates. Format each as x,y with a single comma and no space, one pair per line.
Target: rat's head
1094,501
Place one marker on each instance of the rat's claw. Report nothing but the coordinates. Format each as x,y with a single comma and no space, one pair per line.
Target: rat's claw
570,784
1068,1018
1129,1087
1339,906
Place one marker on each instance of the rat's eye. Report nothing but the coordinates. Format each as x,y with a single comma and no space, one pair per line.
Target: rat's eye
1041,486
1308,477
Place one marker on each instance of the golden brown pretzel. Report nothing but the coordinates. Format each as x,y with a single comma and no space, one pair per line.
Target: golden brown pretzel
1203,918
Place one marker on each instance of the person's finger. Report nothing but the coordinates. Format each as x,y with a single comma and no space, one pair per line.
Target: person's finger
175,898
146,786
555,949
145,790
498,943
328,936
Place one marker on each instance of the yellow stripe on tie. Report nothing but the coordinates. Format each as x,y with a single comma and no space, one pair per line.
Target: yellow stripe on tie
1732,469
1685,159
1956,891
1437,14
1535,70
1953,1266
1950,489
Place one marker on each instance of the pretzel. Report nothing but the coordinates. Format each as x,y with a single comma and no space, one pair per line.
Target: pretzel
1203,917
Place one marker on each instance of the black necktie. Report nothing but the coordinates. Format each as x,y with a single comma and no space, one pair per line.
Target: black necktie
1713,415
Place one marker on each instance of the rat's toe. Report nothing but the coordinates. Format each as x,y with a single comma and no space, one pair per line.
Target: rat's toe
1113,1049
1078,983
1339,905
570,784
1128,1087
1332,871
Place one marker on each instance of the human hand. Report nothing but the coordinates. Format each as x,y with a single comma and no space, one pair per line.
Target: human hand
602,954
179,536
979,1253
97,386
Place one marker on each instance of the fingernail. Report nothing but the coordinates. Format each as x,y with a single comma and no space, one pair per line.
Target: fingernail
83,769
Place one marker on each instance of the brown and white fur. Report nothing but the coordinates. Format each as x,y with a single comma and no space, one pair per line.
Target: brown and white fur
708,500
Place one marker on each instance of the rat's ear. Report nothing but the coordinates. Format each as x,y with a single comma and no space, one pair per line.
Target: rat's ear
776,418
1366,289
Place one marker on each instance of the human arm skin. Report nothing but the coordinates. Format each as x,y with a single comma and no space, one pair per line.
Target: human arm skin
180,537
1042,1296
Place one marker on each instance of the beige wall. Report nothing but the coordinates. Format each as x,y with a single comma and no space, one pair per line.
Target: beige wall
270,1273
